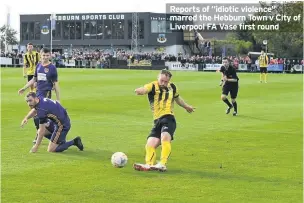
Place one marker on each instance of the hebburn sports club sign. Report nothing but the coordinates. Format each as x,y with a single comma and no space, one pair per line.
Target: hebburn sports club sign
91,17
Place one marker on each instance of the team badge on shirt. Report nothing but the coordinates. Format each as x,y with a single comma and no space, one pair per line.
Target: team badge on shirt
46,70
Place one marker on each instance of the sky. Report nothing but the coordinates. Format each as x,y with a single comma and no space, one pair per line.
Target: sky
17,7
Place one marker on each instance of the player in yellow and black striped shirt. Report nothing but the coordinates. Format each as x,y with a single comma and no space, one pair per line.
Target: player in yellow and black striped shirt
161,95
31,59
263,62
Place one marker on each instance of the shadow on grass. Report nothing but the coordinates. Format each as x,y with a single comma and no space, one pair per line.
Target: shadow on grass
218,174
256,118
91,154
223,174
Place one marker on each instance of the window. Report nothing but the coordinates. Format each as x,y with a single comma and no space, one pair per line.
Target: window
162,26
24,31
129,29
118,29
158,26
78,30
140,30
37,30
57,31
72,30
90,30
154,26
107,29
86,30
99,29
31,30
66,30
93,30
168,30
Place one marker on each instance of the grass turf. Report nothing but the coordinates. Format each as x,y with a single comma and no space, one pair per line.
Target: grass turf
260,150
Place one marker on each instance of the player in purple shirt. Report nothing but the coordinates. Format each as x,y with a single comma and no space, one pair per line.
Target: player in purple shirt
45,109
46,78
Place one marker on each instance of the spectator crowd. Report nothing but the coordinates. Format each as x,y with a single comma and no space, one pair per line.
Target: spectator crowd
102,58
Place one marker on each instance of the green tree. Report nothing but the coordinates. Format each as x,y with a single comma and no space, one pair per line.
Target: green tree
239,46
9,34
288,40
285,42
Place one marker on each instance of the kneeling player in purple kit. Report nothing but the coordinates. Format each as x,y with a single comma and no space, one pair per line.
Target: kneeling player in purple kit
46,109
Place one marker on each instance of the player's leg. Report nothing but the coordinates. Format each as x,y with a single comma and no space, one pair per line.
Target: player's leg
58,141
225,92
261,74
153,141
48,94
167,131
32,87
152,144
48,135
265,75
233,94
50,128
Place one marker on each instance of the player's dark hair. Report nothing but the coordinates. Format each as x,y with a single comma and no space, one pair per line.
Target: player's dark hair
31,94
225,58
30,43
45,50
166,72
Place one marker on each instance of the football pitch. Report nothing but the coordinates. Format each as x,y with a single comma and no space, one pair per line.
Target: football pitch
254,157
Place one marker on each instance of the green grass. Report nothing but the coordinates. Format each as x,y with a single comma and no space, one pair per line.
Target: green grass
260,150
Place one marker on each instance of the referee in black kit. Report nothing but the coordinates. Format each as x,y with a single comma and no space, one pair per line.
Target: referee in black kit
230,83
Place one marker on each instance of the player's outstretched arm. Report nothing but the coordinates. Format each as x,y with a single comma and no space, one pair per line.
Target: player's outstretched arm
141,91
30,83
41,133
183,104
30,115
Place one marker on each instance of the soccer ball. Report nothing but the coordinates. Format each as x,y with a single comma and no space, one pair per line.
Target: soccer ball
119,159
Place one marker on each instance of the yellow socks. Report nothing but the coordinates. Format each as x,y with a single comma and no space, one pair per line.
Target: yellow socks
150,155
265,77
165,152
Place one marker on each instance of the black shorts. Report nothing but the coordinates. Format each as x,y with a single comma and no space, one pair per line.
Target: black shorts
165,123
263,70
232,89
30,77
44,94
